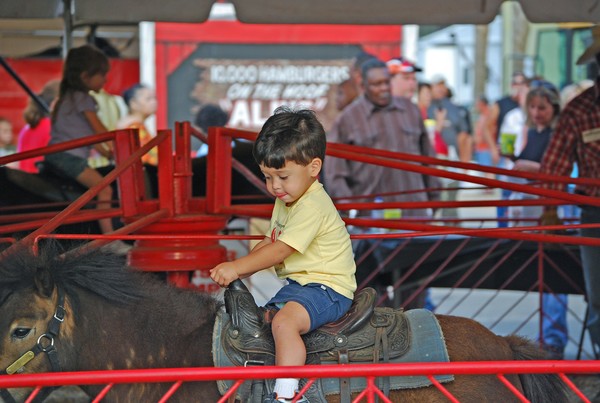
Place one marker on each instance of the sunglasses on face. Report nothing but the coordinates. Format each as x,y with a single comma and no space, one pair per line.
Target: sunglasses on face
543,84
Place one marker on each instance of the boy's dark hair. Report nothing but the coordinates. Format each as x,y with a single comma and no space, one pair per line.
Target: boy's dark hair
290,135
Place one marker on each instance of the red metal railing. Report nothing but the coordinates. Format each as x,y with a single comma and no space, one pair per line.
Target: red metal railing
370,372
127,153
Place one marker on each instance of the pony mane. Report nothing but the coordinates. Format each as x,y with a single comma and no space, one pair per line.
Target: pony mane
97,272
104,275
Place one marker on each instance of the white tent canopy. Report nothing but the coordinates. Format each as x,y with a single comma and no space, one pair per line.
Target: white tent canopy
306,11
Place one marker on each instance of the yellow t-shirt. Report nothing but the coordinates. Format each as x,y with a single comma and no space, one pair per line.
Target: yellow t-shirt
313,227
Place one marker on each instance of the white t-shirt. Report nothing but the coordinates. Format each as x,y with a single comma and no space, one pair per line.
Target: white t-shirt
514,122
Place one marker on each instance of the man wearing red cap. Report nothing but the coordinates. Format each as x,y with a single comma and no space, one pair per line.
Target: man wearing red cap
403,77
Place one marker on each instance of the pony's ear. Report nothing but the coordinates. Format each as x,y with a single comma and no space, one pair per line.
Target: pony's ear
44,282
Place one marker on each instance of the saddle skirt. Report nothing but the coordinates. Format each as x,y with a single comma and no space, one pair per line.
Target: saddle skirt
365,334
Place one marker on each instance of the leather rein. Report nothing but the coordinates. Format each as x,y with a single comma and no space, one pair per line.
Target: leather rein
45,344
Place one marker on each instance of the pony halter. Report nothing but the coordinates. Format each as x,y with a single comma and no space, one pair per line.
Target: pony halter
45,344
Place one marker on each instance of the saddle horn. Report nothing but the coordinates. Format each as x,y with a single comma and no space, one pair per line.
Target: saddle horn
240,305
237,285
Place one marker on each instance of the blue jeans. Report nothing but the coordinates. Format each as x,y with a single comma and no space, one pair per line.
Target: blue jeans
323,304
502,211
590,256
484,157
554,321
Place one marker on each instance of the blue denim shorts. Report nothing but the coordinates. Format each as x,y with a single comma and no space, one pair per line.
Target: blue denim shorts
322,303
68,165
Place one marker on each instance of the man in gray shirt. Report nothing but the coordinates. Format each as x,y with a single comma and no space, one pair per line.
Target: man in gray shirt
378,120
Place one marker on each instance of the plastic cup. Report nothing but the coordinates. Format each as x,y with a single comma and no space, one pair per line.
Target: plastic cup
507,143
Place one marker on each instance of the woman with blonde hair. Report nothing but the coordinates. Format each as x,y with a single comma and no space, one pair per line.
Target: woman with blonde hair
543,108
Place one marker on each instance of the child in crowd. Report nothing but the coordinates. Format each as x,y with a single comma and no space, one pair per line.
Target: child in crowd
210,115
75,117
36,133
141,102
307,241
6,137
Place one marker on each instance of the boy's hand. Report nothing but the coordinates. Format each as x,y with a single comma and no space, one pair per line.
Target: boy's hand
223,274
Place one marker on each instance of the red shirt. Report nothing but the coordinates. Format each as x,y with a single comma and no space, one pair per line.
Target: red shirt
576,138
30,138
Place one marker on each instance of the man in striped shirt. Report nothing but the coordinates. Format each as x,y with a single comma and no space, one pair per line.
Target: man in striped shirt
576,139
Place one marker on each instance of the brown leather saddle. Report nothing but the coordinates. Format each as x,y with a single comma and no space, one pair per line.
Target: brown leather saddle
364,334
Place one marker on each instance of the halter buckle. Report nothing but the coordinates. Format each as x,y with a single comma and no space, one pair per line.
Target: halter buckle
59,314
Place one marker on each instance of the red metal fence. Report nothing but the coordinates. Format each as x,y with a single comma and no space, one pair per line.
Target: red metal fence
370,372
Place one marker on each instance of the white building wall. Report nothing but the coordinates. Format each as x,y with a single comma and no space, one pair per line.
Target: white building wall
451,53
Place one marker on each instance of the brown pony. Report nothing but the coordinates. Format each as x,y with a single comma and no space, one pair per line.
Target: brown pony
116,318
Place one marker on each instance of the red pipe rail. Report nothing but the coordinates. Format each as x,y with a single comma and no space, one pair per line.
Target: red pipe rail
126,141
396,160
238,166
377,157
219,201
312,372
